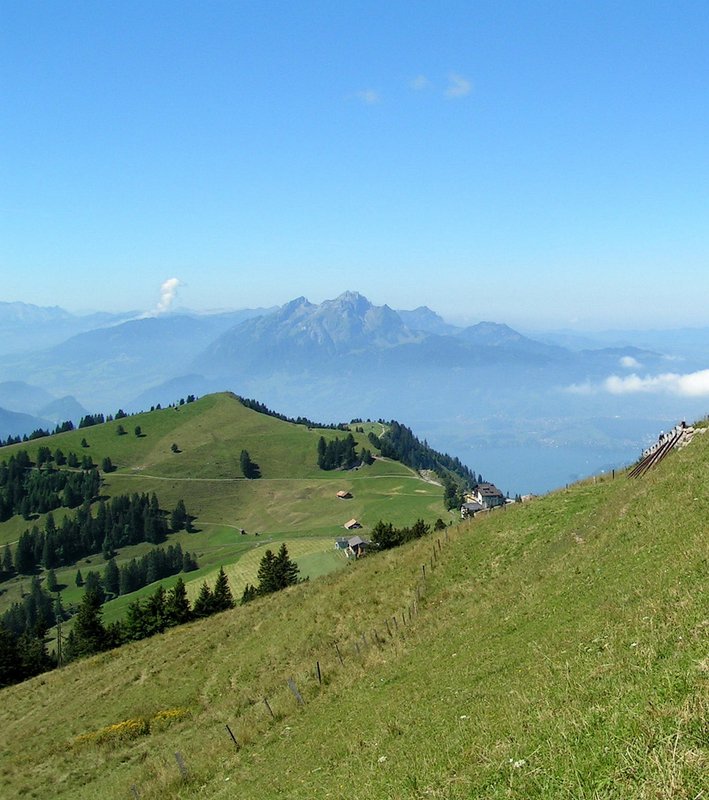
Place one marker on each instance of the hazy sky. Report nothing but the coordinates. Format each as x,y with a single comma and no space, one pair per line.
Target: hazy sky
536,163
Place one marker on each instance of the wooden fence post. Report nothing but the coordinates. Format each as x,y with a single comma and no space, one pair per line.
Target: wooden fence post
270,710
317,665
182,766
233,738
339,655
294,689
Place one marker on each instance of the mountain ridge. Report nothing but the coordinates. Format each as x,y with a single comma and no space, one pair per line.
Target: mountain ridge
465,388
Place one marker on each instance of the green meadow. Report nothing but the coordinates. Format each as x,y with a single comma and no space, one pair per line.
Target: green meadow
556,649
293,499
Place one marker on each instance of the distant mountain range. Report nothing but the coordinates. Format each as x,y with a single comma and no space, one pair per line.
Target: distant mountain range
483,385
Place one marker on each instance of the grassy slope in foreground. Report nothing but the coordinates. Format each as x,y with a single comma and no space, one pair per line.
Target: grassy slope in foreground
559,651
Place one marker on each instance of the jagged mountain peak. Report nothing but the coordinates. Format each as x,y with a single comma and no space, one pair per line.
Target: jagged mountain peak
425,319
302,331
297,305
350,298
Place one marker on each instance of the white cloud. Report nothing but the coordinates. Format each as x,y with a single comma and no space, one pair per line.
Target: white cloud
369,97
419,83
168,292
582,388
458,86
629,362
692,384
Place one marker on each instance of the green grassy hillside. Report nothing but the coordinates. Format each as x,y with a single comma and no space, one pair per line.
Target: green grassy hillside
557,649
293,499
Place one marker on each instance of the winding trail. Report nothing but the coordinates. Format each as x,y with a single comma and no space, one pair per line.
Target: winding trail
355,477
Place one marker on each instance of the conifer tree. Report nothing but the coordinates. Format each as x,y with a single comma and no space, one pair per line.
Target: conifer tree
204,604
115,634
136,622
59,612
249,469
94,585
33,655
177,606
178,518
10,668
7,564
250,593
88,630
189,562
384,536
155,610
107,550
285,570
24,554
222,597
79,580
111,577
266,574
51,581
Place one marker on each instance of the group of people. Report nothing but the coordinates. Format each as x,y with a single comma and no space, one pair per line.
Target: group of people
665,437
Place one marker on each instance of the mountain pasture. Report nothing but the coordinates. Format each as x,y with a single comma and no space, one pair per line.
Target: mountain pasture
292,500
557,649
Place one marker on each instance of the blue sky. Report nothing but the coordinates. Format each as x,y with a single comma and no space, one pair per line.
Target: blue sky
544,164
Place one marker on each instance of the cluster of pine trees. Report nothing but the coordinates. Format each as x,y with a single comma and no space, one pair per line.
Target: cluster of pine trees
147,569
385,535
35,611
162,610
23,627
274,573
91,419
27,491
121,521
399,442
38,433
255,405
341,453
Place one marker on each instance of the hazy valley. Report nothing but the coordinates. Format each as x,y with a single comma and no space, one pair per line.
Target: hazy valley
531,411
